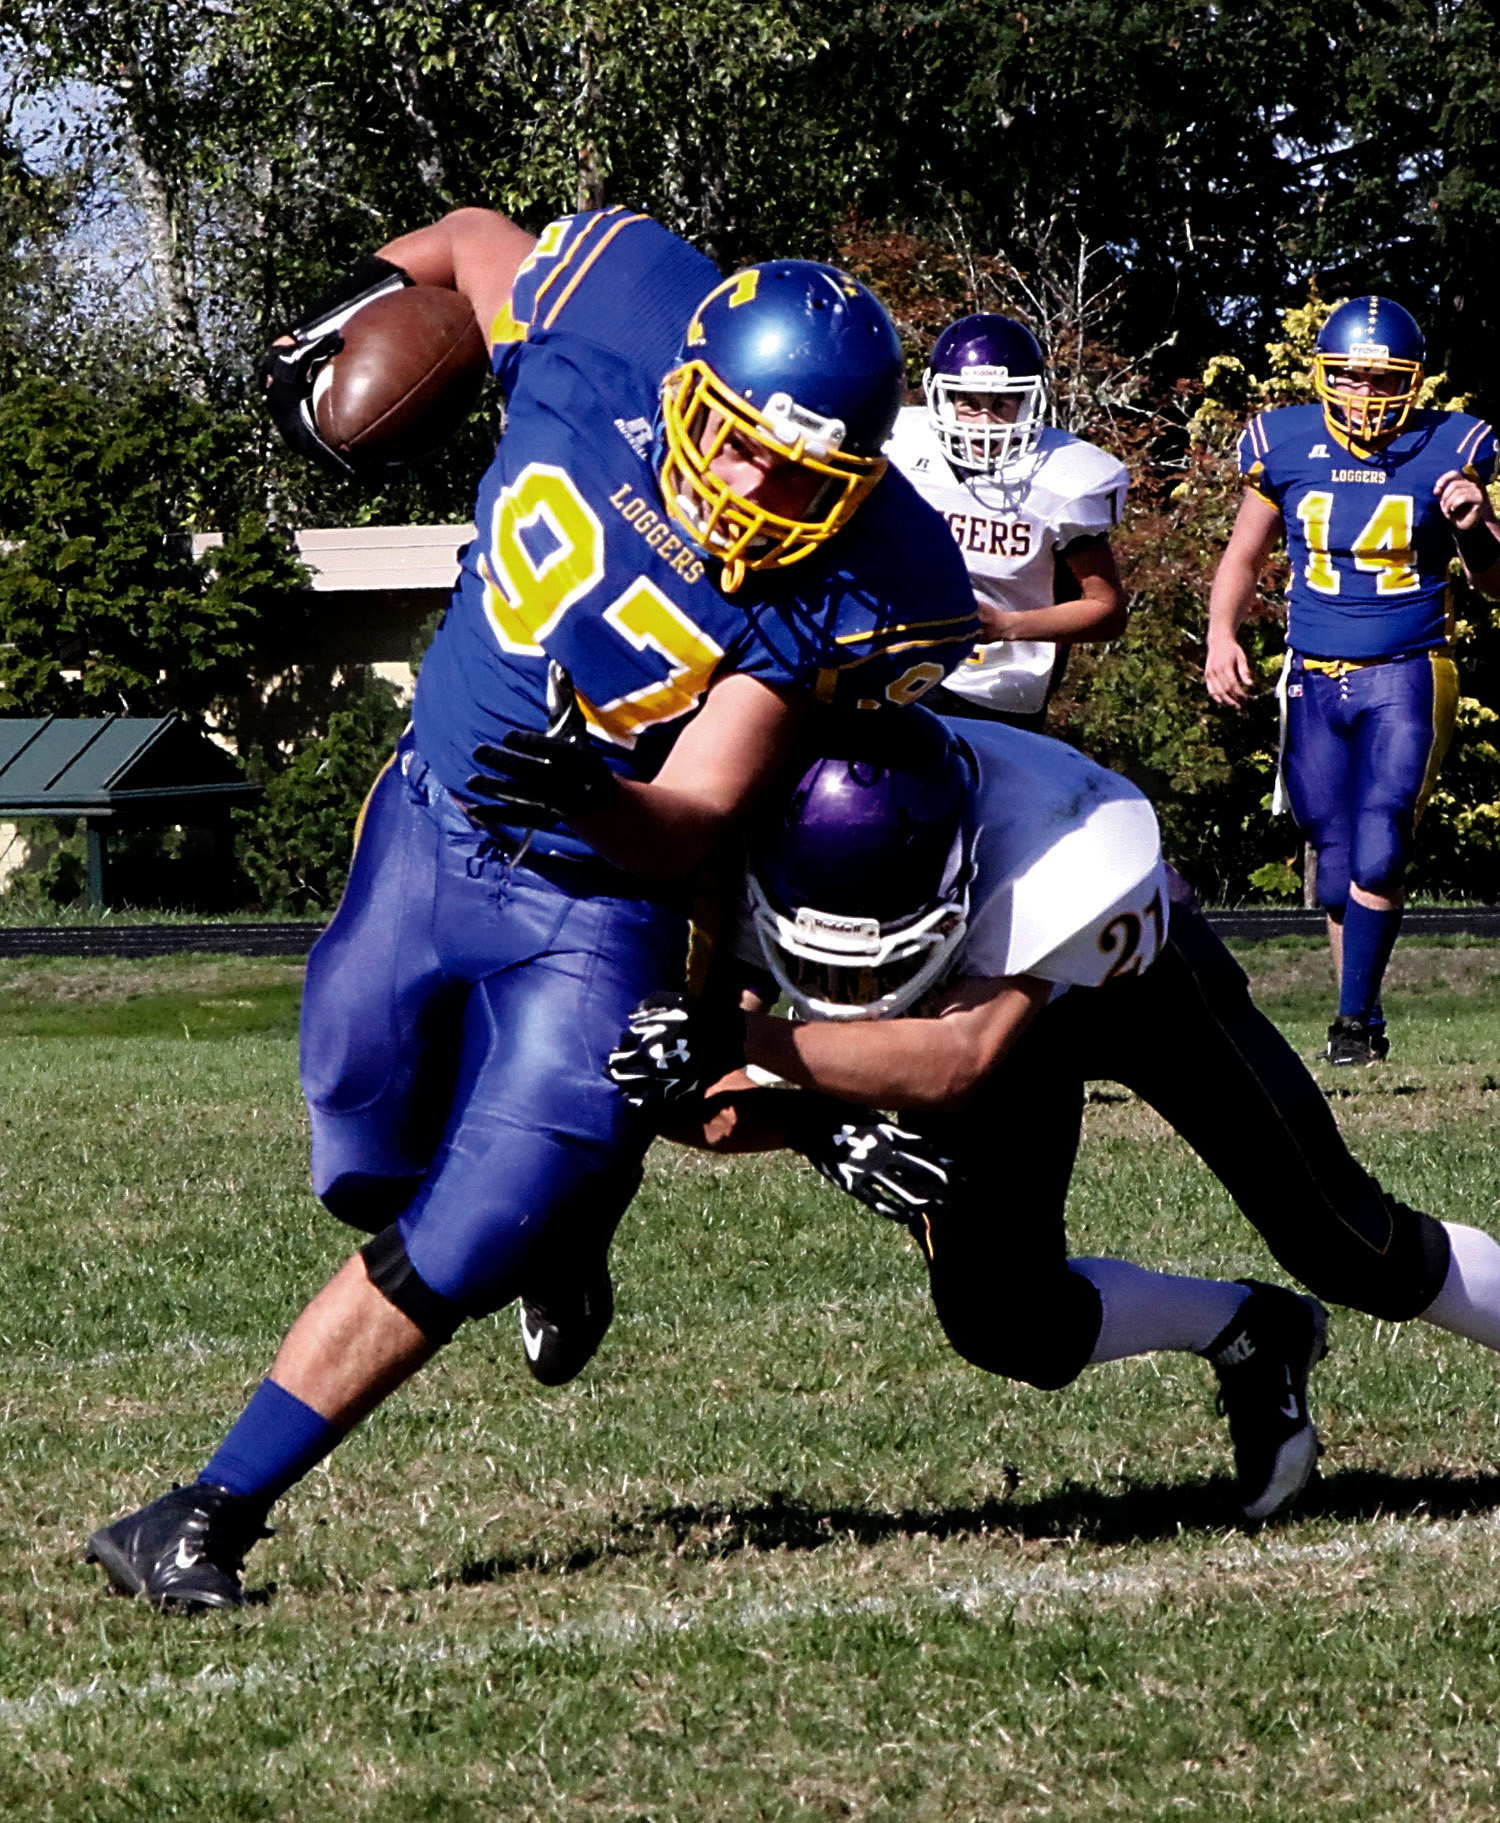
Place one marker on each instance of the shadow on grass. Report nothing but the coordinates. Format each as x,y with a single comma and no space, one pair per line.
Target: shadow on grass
1355,1494
1093,1515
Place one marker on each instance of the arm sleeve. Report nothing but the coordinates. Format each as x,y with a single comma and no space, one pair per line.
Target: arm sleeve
616,278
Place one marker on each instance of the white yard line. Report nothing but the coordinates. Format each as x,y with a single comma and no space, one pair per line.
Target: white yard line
194,1348
974,1595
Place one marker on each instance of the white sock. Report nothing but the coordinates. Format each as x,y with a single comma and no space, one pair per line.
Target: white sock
1145,1312
1469,1303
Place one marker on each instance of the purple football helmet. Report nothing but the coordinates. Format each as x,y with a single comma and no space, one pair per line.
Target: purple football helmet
859,885
981,364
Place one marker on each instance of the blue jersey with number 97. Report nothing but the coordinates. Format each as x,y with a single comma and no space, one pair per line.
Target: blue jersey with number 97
576,560
1368,546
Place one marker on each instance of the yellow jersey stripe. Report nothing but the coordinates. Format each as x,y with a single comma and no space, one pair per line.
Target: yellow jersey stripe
955,620
1444,716
562,265
581,273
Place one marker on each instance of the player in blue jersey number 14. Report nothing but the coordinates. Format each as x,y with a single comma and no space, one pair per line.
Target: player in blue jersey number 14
1375,495
687,536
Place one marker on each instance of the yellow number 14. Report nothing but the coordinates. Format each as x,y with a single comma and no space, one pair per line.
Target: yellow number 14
1383,547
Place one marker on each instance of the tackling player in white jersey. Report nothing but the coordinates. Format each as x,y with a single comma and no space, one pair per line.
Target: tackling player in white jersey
969,931
1030,506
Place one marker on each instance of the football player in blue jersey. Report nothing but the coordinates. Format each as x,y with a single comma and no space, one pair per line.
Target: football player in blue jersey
1375,495
687,537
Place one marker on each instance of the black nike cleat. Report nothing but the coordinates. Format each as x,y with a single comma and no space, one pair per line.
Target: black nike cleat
1353,1042
562,1335
1263,1359
185,1550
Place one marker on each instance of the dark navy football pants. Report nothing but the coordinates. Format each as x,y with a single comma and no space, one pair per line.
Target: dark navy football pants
1362,756
1187,1038
456,1020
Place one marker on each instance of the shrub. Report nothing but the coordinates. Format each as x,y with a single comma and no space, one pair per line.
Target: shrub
296,843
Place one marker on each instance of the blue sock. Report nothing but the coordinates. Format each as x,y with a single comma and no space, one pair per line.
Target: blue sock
1369,937
273,1442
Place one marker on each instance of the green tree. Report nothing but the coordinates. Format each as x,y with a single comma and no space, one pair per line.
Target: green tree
102,603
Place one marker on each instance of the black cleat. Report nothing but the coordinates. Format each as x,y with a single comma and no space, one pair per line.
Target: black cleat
1263,1359
185,1550
1355,1042
562,1335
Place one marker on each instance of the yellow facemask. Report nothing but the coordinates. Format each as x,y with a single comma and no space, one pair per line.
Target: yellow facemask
1364,418
742,535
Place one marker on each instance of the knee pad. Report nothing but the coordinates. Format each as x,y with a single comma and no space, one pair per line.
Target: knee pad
368,1203
1333,899
1333,880
1383,835
398,1282
1384,872
1394,1284
1043,1338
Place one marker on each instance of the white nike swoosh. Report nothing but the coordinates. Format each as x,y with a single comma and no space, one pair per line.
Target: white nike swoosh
531,1340
1290,1407
186,1557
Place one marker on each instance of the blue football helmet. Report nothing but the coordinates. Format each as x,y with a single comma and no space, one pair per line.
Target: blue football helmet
803,360
859,882
985,361
1372,341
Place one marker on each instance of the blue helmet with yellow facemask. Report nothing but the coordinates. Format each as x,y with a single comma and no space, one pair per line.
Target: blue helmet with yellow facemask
796,357
1371,341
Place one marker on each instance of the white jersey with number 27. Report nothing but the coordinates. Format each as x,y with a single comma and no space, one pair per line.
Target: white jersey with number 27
1010,527
1068,879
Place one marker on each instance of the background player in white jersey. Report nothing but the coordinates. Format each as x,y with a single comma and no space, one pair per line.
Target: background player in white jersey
1030,507
973,967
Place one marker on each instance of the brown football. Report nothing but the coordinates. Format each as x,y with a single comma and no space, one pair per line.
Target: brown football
409,373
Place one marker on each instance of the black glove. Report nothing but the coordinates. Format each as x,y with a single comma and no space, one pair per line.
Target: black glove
290,372
541,780
898,1174
675,1048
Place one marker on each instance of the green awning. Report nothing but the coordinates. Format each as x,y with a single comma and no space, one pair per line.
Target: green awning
122,765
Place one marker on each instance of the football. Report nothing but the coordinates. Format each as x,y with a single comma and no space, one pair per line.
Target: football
409,373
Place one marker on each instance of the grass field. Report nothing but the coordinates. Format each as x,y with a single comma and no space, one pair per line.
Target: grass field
779,1554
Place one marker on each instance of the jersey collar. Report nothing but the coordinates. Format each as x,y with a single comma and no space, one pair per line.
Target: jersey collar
1359,451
